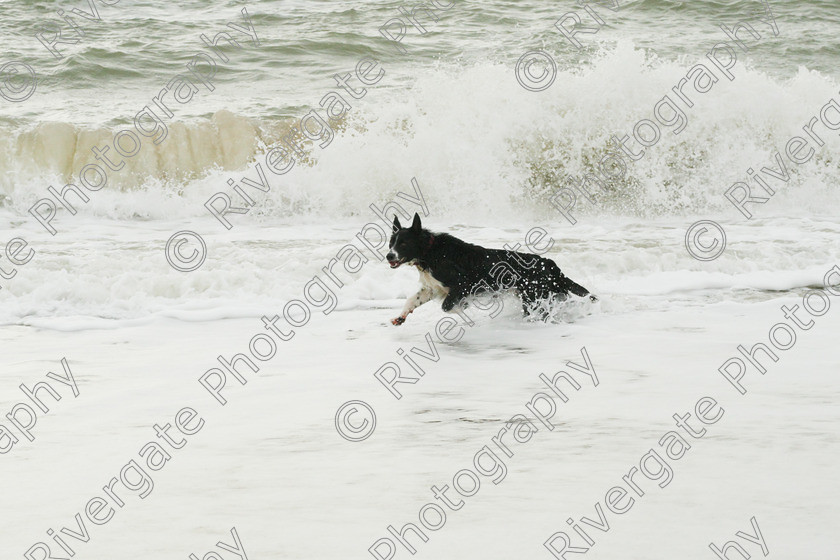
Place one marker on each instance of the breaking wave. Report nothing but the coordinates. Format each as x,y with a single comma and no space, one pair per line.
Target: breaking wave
478,143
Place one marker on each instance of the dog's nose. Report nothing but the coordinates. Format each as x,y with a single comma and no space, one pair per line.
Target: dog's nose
390,256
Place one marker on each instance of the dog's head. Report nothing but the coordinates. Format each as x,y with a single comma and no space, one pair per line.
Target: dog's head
406,243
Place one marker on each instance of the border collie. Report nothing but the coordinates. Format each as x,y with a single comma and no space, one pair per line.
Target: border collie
452,269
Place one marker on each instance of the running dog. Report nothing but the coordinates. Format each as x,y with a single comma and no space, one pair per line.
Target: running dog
452,269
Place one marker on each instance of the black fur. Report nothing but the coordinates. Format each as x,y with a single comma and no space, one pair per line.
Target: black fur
468,269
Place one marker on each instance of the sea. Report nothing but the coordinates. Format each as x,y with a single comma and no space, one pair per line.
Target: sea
173,178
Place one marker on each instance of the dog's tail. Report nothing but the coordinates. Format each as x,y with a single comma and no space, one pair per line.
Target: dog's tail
566,284
571,286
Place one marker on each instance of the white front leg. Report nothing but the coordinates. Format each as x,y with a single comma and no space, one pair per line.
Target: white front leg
425,294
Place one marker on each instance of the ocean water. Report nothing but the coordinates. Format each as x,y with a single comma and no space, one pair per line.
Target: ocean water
443,127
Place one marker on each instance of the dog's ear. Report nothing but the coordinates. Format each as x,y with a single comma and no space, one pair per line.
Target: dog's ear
415,226
397,226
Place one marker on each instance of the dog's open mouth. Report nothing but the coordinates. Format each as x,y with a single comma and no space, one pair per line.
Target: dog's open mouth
395,264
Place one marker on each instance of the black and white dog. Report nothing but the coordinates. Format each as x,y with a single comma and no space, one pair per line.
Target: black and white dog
453,270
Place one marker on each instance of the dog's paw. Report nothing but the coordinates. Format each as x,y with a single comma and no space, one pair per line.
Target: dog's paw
397,321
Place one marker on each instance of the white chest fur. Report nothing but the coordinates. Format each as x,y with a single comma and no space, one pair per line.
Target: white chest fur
429,282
